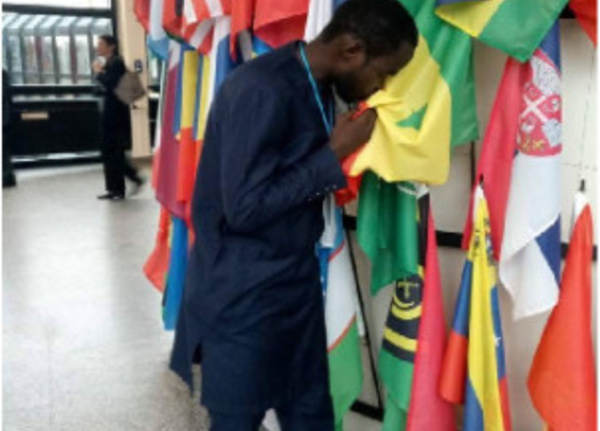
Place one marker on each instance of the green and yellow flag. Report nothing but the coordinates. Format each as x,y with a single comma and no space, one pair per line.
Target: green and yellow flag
410,359
426,109
385,225
516,27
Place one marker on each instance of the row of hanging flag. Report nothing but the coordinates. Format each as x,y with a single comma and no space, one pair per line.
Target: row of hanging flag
423,112
519,174
198,54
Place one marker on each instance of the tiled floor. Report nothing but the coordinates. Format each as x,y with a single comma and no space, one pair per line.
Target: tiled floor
84,349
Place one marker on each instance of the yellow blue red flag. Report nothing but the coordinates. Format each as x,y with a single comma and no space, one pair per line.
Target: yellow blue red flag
474,370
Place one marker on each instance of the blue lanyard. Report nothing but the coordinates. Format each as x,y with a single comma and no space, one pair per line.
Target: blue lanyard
328,122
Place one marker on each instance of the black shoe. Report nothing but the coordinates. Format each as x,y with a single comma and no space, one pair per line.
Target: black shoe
110,196
106,196
137,186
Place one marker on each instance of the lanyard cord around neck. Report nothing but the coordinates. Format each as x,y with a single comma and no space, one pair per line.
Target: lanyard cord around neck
326,121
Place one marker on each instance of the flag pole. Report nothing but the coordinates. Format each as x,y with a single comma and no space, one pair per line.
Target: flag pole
362,310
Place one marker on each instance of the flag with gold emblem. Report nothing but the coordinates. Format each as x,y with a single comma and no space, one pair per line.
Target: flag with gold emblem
413,345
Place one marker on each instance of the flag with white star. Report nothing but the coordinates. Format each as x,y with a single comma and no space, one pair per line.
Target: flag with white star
474,372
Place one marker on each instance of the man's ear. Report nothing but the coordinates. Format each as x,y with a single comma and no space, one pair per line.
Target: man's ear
350,51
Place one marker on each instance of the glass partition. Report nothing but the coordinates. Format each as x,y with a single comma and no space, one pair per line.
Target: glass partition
33,48
16,48
7,19
54,49
64,50
51,49
49,62
83,50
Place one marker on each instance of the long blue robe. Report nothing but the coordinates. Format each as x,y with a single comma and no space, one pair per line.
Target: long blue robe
253,301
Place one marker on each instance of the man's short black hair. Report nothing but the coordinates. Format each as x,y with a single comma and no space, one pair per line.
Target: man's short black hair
382,25
109,39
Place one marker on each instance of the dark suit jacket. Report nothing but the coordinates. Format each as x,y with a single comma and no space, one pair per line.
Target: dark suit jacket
116,122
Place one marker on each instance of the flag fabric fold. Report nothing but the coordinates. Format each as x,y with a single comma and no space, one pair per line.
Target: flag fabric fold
341,314
149,13
176,276
515,27
426,109
168,154
141,9
562,380
197,24
532,224
520,169
495,163
172,19
186,163
385,224
318,16
279,22
157,265
586,12
158,41
411,355
242,14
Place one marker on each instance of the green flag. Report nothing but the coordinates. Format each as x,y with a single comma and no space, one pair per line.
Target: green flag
386,223
399,345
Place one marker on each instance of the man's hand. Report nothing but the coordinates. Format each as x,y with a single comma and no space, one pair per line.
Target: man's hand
350,134
97,66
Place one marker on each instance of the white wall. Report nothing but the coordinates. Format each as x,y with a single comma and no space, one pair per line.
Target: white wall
450,204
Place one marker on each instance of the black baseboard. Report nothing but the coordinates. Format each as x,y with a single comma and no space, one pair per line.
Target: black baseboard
56,160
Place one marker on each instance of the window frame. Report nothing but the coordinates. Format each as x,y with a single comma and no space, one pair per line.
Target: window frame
18,10
5,36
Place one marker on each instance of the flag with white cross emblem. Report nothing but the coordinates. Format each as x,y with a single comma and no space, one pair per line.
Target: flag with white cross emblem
519,168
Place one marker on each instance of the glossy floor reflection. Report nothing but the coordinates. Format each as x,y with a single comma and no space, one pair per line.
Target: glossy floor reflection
84,348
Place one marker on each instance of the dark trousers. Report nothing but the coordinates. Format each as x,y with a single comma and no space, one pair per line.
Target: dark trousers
311,412
8,174
116,165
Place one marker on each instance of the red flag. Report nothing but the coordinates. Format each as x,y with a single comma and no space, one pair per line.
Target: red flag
279,22
586,12
141,9
186,166
173,18
167,157
348,194
157,265
496,160
428,411
191,81
155,168
562,380
241,19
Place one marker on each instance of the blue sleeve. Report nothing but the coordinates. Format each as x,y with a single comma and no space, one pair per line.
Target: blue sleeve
255,191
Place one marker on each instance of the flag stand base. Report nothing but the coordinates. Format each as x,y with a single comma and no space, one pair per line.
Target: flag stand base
367,410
